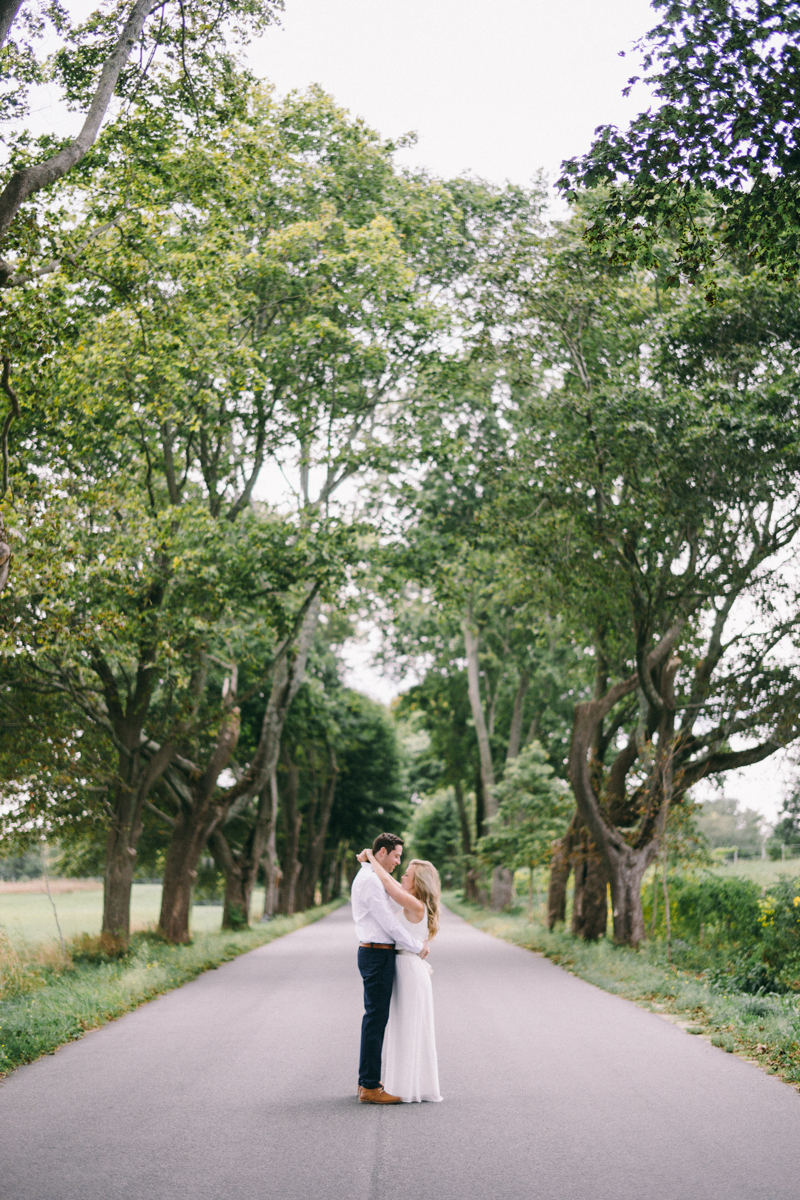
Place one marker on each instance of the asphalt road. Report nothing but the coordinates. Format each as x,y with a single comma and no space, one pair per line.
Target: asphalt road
241,1086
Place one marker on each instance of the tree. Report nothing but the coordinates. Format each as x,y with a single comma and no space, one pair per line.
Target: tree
182,50
455,597
371,789
173,443
660,475
715,163
440,706
187,75
723,822
533,810
436,834
369,324
787,830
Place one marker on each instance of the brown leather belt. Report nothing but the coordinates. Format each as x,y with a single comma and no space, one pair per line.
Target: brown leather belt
377,945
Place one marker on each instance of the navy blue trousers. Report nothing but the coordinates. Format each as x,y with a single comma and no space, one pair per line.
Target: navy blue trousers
377,971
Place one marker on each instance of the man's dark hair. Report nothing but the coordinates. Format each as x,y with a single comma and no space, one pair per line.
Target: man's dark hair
386,841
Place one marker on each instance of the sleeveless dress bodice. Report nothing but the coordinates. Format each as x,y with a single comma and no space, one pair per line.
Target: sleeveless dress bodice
410,1067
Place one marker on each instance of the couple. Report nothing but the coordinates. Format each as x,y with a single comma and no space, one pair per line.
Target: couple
393,944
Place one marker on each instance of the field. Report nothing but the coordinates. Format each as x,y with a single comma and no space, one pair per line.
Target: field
27,917
762,871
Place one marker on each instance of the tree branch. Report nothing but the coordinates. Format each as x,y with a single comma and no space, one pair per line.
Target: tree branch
18,280
170,820
731,760
8,13
13,412
29,180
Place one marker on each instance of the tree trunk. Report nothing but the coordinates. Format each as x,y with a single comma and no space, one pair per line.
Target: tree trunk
478,718
317,833
515,732
502,893
292,820
502,888
480,807
266,830
137,778
234,903
590,903
8,11
261,847
180,872
463,817
329,877
626,874
471,876
625,863
560,867
117,884
197,819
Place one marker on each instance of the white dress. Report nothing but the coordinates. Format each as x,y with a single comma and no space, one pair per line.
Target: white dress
410,1067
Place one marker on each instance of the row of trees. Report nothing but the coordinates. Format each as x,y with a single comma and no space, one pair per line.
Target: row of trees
245,307
564,482
632,467
213,322
642,485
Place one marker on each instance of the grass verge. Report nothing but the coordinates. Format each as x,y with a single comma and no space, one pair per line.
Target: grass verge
50,1000
763,1028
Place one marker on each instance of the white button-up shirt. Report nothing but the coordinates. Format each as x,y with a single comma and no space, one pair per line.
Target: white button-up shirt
375,918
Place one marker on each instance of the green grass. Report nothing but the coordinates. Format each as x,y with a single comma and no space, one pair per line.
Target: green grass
763,1028
27,917
762,871
54,1002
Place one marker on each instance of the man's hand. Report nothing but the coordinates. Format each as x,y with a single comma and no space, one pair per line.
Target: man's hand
425,951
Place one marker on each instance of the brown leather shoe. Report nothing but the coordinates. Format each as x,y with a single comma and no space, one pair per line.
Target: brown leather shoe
377,1096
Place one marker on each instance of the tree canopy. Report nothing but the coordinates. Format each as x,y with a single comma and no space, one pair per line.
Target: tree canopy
714,163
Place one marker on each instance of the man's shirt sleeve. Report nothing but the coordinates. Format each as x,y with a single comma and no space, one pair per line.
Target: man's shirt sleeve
375,917
403,937
400,929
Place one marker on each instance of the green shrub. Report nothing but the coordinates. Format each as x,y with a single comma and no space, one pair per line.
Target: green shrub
743,942
718,911
746,973
779,919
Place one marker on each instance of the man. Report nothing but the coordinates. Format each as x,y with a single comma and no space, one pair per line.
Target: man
379,931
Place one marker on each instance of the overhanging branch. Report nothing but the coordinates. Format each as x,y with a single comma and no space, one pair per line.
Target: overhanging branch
26,182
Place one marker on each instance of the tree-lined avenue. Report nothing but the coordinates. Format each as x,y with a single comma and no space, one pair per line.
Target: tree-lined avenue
242,1084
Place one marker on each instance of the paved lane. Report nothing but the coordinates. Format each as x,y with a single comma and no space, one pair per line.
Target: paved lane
241,1086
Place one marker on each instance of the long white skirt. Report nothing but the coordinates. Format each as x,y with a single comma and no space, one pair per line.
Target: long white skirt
410,1067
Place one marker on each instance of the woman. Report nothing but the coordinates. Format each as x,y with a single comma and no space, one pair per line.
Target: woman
410,1068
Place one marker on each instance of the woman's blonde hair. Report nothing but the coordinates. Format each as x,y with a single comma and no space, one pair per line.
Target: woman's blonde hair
427,887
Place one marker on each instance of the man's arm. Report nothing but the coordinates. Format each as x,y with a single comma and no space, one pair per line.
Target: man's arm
380,908
402,932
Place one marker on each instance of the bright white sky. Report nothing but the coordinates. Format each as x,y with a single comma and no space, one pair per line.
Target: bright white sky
499,90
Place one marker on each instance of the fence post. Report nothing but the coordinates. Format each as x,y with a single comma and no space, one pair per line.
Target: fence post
783,851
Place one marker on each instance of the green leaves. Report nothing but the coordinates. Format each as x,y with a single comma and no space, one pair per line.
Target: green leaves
715,164
534,808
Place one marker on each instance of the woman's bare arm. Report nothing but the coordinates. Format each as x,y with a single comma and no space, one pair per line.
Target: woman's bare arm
410,903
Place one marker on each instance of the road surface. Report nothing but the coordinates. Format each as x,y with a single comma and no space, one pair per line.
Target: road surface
242,1086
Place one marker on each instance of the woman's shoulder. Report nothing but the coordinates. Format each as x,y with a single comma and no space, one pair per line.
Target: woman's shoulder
412,920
